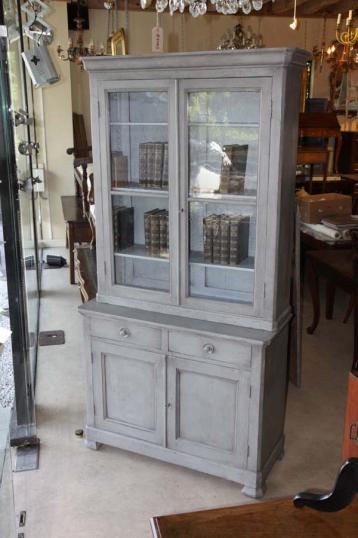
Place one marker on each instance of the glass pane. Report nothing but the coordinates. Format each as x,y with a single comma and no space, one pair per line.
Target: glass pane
141,241
138,107
139,140
223,149
223,133
139,168
222,251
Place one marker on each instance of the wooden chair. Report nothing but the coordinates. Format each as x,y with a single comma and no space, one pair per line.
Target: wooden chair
82,153
318,125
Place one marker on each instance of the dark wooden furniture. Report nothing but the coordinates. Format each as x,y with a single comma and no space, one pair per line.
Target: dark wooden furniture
272,519
82,153
348,158
350,186
322,125
78,229
337,267
86,271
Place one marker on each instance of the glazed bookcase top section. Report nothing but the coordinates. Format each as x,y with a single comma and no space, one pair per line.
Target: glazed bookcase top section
198,60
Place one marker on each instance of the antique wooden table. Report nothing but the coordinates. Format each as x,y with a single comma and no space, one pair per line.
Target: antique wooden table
336,266
272,519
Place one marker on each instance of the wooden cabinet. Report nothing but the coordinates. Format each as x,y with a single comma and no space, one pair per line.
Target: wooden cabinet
348,157
194,160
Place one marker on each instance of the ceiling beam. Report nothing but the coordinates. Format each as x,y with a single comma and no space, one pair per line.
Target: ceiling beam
318,6
281,7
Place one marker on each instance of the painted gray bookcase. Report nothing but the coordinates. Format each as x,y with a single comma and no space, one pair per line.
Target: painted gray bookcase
186,343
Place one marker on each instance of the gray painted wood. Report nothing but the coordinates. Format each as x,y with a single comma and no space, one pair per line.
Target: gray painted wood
190,366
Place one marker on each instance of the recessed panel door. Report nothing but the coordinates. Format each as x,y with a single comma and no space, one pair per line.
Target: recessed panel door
129,391
208,411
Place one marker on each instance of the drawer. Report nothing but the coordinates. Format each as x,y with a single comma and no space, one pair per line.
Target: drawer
207,347
127,332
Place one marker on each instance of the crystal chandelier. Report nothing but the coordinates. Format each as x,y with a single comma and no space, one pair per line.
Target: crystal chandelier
200,7
239,38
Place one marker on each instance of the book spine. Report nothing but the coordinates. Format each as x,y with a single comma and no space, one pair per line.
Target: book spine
165,177
163,225
208,239
143,172
120,168
244,233
147,234
224,239
155,232
234,241
115,212
126,227
238,168
150,165
225,170
216,239
158,164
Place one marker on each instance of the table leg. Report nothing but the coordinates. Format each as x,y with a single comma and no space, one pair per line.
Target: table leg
71,246
330,294
314,289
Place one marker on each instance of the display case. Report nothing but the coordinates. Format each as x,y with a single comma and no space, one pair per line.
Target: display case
194,159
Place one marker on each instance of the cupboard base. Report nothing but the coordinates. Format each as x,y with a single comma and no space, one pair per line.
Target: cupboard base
253,482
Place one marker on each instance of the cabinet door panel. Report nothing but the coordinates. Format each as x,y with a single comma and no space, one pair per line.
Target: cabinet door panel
129,389
208,410
225,155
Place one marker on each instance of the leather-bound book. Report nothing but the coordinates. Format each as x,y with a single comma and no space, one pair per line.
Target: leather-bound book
148,228
163,230
158,164
224,239
165,178
143,172
216,239
208,223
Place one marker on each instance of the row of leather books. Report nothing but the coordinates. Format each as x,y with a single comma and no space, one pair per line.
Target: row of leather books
123,227
153,165
233,169
156,230
226,239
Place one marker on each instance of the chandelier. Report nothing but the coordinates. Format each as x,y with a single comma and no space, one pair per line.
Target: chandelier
76,49
344,50
239,38
200,7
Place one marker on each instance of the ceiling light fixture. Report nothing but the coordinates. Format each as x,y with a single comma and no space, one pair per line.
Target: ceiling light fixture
200,7
294,23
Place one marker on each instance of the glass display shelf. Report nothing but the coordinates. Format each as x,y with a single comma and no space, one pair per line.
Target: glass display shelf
134,189
197,257
247,197
140,251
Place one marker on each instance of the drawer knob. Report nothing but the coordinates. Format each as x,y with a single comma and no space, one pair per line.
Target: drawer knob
209,348
124,333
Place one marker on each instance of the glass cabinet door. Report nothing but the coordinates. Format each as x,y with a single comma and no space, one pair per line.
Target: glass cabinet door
138,123
222,139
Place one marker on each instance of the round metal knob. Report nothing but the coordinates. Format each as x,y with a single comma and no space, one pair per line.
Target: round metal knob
209,348
124,333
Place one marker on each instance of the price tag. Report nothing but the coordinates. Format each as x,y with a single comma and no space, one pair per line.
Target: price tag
157,39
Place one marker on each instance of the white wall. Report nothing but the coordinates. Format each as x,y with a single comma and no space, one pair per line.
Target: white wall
53,115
